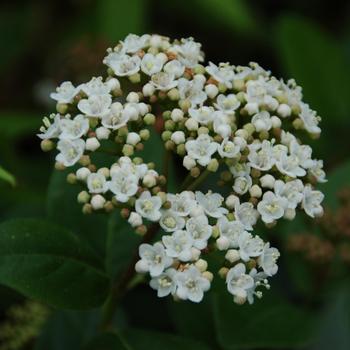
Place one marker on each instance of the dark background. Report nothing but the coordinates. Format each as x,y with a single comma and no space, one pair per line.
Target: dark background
44,42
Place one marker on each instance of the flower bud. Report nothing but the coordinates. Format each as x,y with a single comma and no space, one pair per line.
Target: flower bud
148,90
222,243
223,272
252,108
92,144
211,90
149,180
195,254
135,219
141,266
128,150
208,275
202,265
191,124
144,134
83,197
132,97
289,214
97,202
149,119
276,122
267,181
102,133
47,145
255,191
284,110
189,162
177,115
232,255
178,137
213,165
133,138
231,201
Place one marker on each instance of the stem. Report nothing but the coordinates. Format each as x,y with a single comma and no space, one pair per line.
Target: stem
120,286
198,180
186,182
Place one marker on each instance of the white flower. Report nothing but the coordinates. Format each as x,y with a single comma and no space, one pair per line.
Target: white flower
262,121
153,258
171,221
289,165
97,183
174,67
271,207
95,86
178,245
267,259
135,219
201,149
123,186
133,43
292,191
151,64
246,214
211,203
260,156
51,129
116,118
200,230
192,90
312,202
165,283
228,149
191,284
182,203
124,65
240,169
242,184
203,115
65,93
231,230
249,246
238,282
148,206
223,73
70,151
309,118
163,81
222,124
95,105
227,104
189,52
317,171
259,280
302,152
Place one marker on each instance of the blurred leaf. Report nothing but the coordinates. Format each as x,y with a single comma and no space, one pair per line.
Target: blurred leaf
145,340
122,242
316,61
107,341
64,209
116,19
6,176
269,323
67,330
47,263
337,179
186,318
235,14
17,124
334,331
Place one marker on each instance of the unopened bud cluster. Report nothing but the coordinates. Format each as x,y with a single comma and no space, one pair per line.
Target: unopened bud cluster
237,120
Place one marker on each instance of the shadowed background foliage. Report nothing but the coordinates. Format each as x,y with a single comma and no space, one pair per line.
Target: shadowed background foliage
45,42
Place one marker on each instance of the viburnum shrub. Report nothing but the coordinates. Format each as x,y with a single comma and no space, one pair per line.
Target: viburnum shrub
238,121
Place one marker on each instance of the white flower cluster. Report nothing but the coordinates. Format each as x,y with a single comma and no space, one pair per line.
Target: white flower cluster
237,120
175,263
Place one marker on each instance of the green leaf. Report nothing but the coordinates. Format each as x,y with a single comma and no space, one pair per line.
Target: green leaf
107,341
235,14
337,179
145,340
315,59
122,242
116,19
269,323
6,176
63,209
45,262
67,330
